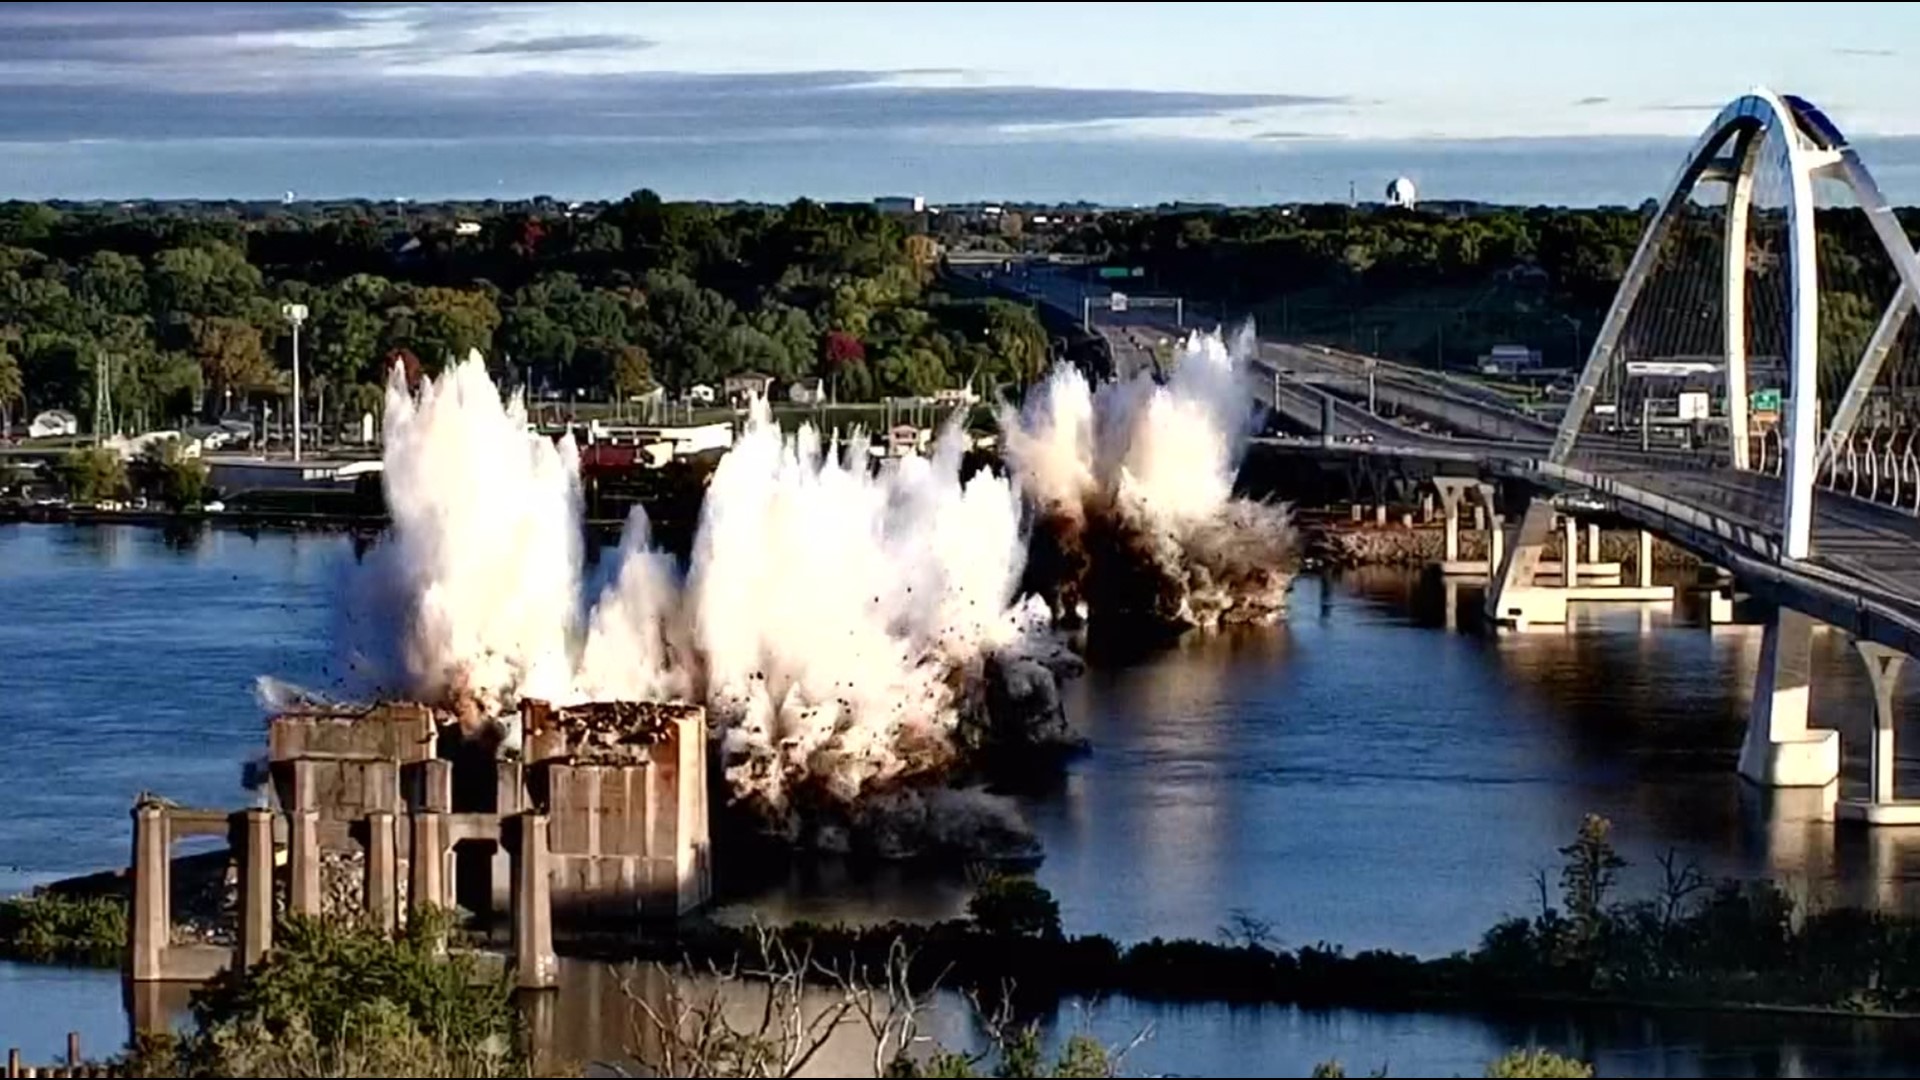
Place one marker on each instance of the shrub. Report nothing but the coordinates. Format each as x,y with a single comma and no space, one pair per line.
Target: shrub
1016,907
49,928
93,475
335,999
1538,1063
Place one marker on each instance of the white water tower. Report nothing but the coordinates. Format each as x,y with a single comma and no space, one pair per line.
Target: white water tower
1401,193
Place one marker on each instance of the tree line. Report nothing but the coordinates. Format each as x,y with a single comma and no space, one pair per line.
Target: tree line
1447,283
178,309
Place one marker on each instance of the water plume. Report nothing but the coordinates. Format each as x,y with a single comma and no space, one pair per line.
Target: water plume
852,631
1131,484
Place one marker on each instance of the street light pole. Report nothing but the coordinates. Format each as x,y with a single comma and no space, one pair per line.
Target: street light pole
295,314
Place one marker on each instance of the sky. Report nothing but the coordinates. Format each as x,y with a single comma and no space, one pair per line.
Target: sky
803,78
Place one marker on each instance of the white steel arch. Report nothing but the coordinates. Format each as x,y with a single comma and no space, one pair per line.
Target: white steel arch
1728,150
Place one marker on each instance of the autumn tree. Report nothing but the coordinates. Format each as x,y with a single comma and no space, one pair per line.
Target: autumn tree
632,372
231,355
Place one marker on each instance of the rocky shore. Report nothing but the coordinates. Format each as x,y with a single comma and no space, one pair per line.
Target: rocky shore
1345,544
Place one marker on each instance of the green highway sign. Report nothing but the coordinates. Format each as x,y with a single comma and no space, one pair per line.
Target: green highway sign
1113,272
1765,401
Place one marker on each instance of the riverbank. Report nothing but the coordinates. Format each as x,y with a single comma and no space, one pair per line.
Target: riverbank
1702,946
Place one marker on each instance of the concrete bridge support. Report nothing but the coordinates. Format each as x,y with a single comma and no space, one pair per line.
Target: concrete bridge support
1780,750
1454,493
1516,597
1882,806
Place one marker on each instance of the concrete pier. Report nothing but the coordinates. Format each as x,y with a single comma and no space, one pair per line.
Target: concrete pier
383,871
1780,749
535,965
1883,806
151,926
628,780
255,845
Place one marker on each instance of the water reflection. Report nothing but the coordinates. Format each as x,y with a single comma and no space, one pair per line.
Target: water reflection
596,1020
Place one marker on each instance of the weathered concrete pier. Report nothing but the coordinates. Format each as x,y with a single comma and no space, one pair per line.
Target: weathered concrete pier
600,820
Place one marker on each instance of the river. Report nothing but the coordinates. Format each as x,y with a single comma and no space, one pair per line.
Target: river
1364,774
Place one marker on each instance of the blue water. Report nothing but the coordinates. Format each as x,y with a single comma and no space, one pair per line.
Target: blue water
1365,774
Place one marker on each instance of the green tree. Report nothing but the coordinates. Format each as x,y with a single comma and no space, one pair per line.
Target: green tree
747,348
539,347
214,279
111,283
57,370
792,327
177,479
682,328
451,323
632,372
12,387
231,355
1014,906
94,474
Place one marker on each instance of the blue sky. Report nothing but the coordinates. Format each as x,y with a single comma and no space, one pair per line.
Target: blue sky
777,78
972,71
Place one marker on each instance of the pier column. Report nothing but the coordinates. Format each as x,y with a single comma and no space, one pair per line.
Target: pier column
1380,514
1426,508
254,842
427,862
305,894
1570,558
534,963
1780,750
1593,543
510,797
1454,491
152,927
1883,667
1645,559
1883,806
383,872
1514,597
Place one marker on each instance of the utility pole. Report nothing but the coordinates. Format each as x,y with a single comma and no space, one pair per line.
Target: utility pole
295,314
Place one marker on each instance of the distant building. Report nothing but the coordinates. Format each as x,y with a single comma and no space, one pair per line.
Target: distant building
953,397
1509,359
812,391
54,424
618,446
1402,193
747,384
700,394
900,204
467,228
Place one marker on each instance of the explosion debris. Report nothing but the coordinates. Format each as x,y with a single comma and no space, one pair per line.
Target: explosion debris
856,635
1131,486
